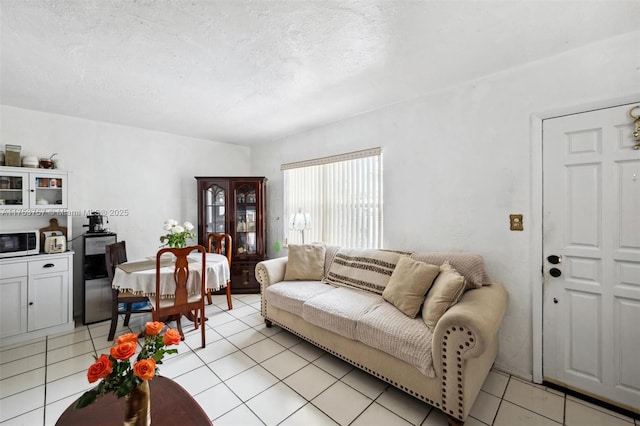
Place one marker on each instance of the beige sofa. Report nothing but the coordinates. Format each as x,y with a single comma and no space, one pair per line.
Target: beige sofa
363,328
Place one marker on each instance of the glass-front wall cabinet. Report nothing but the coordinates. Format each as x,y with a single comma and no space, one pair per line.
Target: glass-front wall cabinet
235,206
38,189
14,189
48,190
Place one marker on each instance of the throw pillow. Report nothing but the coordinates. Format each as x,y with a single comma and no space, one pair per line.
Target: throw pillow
470,266
306,262
408,285
444,293
363,269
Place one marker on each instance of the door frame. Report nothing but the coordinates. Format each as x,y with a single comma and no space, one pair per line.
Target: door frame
536,220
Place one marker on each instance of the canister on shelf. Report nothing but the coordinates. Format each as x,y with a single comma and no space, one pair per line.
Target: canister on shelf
12,155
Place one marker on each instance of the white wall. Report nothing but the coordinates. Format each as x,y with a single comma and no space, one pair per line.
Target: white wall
457,163
149,174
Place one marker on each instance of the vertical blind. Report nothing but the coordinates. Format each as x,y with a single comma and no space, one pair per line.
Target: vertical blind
342,195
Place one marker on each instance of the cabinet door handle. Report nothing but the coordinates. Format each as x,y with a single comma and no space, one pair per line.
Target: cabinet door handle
49,265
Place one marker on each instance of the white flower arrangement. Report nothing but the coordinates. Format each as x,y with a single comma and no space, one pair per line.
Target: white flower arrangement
178,234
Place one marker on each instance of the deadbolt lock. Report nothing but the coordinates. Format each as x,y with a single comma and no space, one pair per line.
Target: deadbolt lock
554,260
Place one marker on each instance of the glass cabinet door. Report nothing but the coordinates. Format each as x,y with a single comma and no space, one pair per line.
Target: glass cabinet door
246,217
48,190
215,209
13,190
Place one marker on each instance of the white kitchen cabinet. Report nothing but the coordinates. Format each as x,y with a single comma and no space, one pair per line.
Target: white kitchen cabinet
13,298
48,296
36,296
37,189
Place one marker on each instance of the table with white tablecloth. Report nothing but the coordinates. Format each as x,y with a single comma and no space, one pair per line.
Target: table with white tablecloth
140,276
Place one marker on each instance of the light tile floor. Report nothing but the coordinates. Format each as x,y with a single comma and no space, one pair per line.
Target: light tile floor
246,368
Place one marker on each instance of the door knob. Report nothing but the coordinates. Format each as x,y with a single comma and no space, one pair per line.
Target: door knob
555,272
554,260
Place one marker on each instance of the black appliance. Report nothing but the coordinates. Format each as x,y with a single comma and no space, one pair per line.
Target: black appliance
97,223
97,287
19,243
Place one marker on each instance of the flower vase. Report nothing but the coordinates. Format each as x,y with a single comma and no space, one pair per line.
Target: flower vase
138,408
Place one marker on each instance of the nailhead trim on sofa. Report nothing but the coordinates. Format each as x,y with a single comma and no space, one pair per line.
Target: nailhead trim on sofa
455,369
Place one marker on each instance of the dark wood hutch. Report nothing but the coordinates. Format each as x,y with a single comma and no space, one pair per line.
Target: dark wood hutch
236,206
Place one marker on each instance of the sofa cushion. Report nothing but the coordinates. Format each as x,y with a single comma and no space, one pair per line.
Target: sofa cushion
444,293
339,309
305,262
470,266
408,285
290,295
363,269
389,330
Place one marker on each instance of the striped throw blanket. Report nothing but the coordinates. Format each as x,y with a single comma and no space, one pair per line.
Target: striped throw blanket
364,269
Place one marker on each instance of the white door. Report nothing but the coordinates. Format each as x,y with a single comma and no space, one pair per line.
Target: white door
591,209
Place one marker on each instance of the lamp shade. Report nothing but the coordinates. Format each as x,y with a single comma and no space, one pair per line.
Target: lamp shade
300,221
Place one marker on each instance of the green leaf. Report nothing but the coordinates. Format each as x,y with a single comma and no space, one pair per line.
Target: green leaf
126,387
89,397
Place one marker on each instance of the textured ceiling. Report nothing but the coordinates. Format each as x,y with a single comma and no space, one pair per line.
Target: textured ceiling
251,71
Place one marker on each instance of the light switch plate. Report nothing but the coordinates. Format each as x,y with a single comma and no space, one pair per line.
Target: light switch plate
516,222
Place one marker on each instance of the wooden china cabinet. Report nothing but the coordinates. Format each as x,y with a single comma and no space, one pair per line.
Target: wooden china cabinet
235,206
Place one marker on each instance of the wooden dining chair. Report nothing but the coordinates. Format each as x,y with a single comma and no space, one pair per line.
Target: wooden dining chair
185,301
221,244
122,302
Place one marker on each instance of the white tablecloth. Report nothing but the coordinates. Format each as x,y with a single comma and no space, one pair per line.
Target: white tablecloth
144,282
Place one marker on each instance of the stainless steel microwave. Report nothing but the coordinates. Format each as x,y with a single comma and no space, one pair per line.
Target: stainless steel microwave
19,243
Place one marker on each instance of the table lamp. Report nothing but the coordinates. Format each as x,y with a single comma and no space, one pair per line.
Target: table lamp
299,222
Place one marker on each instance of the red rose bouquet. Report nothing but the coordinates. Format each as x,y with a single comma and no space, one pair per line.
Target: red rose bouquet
116,371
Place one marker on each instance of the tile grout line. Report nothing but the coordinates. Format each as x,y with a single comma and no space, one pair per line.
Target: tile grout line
361,412
259,364
502,395
307,401
223,382
280,380
46,368
528,409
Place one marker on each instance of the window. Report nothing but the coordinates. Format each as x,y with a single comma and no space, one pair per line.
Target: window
342,197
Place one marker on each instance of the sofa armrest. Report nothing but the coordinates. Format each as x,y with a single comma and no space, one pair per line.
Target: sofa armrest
271,271
470,326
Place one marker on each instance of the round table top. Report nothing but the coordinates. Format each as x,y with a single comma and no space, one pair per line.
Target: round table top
171,405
